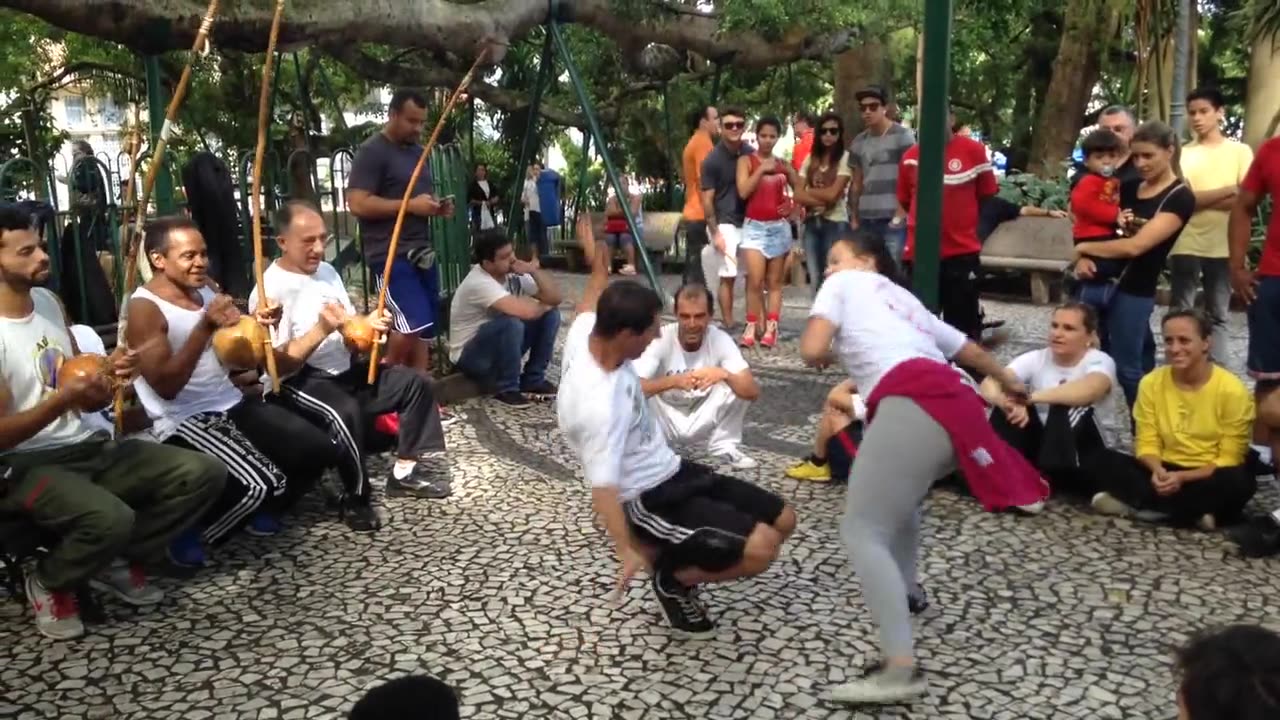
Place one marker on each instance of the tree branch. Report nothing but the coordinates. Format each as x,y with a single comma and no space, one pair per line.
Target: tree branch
80,68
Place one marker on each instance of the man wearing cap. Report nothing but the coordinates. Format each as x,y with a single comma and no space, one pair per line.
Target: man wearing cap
874,157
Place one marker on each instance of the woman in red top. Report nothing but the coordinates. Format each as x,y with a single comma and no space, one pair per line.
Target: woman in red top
763,181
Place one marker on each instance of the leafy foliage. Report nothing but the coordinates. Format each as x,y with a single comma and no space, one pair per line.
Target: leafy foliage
1028,189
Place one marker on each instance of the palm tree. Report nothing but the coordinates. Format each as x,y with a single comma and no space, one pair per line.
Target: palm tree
1262,103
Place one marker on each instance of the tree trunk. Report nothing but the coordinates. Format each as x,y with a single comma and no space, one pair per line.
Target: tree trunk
1074,74
1160,79
856,68
1262,103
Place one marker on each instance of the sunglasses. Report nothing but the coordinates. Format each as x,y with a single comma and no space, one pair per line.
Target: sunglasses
734,125
830,131
870,107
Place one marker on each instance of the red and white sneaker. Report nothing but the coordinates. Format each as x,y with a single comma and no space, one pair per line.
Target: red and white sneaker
57,614
128,584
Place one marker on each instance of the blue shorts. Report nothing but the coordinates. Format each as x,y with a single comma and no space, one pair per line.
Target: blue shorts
1264,331
618,239
413,297
772,238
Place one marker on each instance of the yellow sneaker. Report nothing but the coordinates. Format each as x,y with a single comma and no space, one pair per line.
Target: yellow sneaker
808,470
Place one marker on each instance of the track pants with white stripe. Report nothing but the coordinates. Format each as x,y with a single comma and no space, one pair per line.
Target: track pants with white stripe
346,404
1057,447
266,447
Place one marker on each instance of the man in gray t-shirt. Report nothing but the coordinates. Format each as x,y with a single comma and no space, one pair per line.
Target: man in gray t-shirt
725,209
874,157
379,176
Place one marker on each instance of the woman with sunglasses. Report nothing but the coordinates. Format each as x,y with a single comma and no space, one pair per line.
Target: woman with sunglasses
763,181
824,176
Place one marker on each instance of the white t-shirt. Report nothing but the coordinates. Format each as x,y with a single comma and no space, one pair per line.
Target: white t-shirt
605,419
879,325
473,301
666,356
301,298
1038,371
530,196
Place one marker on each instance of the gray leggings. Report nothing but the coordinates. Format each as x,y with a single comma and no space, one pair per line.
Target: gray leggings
903,452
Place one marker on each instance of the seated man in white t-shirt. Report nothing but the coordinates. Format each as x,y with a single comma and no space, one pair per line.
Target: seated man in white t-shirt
333,392
697,382
1072,387
505,307
691,525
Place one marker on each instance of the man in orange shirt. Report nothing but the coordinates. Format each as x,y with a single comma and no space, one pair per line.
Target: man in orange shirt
706,126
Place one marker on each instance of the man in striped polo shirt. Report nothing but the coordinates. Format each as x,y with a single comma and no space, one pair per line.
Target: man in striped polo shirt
874,157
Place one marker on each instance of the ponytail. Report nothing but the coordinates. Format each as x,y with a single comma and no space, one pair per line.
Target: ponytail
865,242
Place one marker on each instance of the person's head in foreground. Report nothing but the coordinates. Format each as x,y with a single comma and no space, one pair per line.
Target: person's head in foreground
1187,341
693,314
416,697
864,251
1073,330
1102,151
1155,149
1230,674
24,264
627,316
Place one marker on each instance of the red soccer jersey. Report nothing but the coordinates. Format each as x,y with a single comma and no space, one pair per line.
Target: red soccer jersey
1095,204
1264,179
966,179
803,147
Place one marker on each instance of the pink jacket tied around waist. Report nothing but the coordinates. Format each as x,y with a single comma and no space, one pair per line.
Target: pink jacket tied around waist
999,476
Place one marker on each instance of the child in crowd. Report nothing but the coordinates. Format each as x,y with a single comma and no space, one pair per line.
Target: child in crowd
1095,201
416,697
1230,674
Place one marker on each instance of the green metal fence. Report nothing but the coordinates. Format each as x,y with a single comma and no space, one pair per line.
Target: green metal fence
81,223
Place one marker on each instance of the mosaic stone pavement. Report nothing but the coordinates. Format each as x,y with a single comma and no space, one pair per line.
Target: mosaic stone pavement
502,590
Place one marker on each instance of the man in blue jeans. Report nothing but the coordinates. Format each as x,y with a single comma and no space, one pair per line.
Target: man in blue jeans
505,307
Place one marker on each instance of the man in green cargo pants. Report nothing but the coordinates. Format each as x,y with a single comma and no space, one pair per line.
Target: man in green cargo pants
110,506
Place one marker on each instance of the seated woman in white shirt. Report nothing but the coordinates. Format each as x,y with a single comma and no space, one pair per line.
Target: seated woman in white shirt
1072,387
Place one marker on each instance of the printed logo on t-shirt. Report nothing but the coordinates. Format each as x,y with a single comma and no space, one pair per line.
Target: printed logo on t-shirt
954,164
48,358
514,286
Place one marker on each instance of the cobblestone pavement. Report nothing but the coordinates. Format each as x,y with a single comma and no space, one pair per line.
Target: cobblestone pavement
502,591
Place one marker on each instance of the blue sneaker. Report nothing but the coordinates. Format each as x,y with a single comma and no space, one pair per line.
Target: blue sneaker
264,524
186,550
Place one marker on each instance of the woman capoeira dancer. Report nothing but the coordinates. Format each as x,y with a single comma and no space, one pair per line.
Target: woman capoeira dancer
924,421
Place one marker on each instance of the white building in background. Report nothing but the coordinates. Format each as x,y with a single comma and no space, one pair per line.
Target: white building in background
97,120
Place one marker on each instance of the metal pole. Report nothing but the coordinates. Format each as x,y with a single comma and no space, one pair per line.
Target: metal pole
582,177
1181,66
526,147
593,124
934,134
155,113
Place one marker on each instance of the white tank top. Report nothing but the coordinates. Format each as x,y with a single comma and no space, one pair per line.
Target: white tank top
208,390
31,351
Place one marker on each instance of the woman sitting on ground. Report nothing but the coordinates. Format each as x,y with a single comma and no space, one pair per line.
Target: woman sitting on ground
1072,389
835,442
1193,420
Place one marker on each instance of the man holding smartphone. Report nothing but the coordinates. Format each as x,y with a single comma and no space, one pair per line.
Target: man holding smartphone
379,176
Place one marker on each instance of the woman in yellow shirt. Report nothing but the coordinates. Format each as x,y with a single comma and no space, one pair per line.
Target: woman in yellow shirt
1193,420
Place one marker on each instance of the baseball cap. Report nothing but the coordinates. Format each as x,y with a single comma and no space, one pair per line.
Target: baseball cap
872,91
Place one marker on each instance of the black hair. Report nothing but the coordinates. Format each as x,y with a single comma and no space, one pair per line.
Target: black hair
487,243
697,116
403,95
807,117
734,111
1101,140
1211,95
820,151
1204,326
1088,316
416,697
287,212
769,120
1231,673
692,290
83,146
626,305
865,242
14,218
156,234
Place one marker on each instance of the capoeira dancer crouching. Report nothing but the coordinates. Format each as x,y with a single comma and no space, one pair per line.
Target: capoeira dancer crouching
691,525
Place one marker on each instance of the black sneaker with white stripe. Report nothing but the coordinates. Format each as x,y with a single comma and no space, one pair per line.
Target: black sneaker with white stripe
680,606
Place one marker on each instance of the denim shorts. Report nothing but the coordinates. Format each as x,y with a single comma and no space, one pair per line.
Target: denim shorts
1264,331
771,238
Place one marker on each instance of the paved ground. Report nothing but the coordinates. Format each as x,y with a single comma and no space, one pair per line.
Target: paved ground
501,590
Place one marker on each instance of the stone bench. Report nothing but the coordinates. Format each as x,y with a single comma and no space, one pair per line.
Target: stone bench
661,229
1039,246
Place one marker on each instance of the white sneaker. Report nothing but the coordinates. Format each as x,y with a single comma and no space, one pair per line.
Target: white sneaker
1034,508
128,584
1207,523
882,686
737,460
57,614
1107,504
